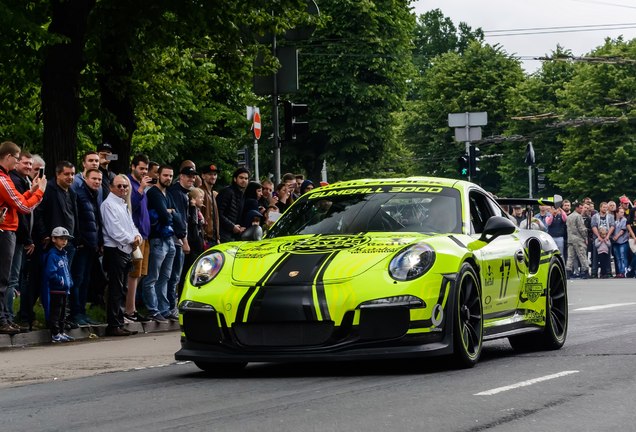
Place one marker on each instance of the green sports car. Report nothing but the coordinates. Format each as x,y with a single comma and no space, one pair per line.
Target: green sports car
377,269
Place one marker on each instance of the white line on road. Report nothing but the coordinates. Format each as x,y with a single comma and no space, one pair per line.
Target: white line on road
607,306
525,383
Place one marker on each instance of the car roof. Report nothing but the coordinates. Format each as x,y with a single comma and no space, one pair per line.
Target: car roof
438,181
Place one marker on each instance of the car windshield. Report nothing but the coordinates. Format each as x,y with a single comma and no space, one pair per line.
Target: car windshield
367,209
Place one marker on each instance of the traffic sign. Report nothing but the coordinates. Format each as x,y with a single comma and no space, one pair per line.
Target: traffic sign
256,123
468,119
468,134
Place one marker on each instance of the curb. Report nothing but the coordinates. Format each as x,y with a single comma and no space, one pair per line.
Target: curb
41,337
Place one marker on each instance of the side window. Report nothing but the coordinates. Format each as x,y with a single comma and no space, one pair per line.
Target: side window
480,210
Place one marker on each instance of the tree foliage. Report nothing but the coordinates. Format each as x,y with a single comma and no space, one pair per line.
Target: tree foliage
479,79
354,75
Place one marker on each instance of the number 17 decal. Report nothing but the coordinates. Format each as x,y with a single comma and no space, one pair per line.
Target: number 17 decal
505,266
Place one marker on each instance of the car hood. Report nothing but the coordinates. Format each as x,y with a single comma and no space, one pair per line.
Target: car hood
301,259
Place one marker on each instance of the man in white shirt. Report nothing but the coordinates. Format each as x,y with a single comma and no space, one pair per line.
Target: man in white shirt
121,237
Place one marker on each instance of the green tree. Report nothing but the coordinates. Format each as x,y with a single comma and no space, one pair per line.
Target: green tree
436,34
599,147
479,79
534,107
354,75
23,34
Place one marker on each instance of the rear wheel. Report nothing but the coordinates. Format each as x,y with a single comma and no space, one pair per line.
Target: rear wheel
219,369
556,322
468,325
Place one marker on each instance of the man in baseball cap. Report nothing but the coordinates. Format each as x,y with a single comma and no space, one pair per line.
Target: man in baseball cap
209,169
209,174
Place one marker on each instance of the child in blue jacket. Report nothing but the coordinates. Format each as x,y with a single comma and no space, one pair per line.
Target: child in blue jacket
57,284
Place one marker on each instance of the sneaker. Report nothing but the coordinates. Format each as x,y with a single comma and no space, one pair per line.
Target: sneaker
158,317
140,318
57,338
66,338
136,317
127,320
173,317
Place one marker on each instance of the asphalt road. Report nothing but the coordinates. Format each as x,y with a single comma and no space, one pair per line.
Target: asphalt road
589,385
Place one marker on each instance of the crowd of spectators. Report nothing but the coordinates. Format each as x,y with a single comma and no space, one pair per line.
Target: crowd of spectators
596,243
95,238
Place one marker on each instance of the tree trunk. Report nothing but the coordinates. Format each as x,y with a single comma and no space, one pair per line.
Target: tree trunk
117,104
63,64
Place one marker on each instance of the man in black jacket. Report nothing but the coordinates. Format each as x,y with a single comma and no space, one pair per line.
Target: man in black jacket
89,243
179,193
230,203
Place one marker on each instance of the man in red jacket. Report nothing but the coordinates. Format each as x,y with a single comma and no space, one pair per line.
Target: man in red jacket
14,202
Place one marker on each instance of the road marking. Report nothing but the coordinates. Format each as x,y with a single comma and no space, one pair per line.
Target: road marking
525,383
607,306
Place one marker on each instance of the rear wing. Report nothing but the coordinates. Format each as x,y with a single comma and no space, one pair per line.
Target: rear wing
555,201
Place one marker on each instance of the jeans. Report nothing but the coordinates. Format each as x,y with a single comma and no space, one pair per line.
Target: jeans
173,296
15,277
620,253
7,243
81,272
155,284
560,242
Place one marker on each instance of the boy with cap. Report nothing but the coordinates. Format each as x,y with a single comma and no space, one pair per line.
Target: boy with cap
57,284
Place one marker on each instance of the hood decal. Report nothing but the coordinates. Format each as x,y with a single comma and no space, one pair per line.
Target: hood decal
326,243
289,291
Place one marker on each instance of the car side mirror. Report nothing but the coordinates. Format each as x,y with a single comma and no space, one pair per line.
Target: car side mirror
497,226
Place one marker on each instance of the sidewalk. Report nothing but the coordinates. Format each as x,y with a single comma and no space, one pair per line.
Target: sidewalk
39,337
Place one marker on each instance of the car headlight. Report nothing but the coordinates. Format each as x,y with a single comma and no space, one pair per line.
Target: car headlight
412,262
206,268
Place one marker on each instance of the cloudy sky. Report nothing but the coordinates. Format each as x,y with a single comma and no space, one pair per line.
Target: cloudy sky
502,19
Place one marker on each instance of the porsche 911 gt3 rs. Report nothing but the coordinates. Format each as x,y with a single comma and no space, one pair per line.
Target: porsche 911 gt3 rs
377,269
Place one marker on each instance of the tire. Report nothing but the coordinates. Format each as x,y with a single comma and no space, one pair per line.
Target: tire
220,369
468,323
556,322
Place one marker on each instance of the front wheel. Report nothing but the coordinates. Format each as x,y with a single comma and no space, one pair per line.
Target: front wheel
468,324
556,319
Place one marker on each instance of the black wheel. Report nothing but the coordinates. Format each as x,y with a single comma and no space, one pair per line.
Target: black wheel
468,324
556,322
220,369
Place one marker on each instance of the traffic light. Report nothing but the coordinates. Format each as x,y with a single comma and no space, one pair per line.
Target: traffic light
293,127
539,180
243,158
473,157
462,168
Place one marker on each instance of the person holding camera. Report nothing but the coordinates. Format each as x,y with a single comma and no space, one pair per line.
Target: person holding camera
14,202
105,153
140,182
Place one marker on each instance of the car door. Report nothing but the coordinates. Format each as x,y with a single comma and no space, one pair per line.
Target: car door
500,275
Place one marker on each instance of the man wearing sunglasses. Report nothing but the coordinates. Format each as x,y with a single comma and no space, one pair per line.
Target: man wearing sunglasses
121,237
